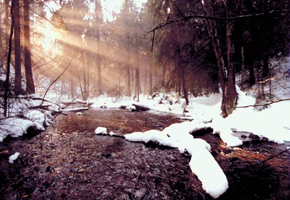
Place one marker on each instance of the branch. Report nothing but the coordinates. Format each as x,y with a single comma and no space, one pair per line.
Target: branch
186,18
274,156
266,104
56,79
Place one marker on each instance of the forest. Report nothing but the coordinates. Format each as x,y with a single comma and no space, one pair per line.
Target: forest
145,99
81,48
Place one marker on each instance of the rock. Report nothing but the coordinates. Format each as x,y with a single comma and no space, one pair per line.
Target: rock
254,137
141,107
243,136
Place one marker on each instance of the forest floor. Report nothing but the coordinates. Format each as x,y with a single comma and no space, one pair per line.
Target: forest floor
69,161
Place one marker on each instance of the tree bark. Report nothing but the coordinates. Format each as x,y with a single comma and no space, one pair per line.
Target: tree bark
230,101
30,88
7,81
18,86
7,25
84,70
98,50
151,63
127,41
226,73
265,66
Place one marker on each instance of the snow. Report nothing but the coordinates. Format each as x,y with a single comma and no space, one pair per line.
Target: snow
22,117
101,131
13,157
79,113
272,122
208,171
204,112
16,127
202,163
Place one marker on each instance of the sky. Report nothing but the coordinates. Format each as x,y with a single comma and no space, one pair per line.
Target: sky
110,6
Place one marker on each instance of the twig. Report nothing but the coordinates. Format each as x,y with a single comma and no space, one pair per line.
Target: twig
274,156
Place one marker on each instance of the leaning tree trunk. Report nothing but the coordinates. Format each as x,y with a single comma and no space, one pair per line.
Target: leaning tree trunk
17,50
30,88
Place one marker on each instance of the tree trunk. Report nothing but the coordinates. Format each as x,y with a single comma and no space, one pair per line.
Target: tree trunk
252,76
72,88
17,87
7,25
84,70
30,88
7,81
265,66
98,10
184,85
127,41
226,75
1,28
151,63
243,65
230,101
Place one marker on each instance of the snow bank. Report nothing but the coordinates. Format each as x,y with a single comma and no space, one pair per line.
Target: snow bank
272,122
16,127
23,116
202,163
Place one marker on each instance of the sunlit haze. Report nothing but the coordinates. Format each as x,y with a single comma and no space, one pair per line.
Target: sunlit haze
70,26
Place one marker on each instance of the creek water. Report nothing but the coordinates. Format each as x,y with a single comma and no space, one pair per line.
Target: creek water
68,161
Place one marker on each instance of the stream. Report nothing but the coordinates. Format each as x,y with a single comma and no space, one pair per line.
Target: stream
69,161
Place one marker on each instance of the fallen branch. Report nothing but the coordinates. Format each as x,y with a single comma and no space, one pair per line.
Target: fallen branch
274,156
44,107
265,104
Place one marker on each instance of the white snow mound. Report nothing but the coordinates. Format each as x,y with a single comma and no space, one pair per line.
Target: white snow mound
101,131
13,157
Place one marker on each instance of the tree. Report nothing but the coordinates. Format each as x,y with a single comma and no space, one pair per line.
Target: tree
127,41
98,20
226,69
17,49
7,81
30,88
